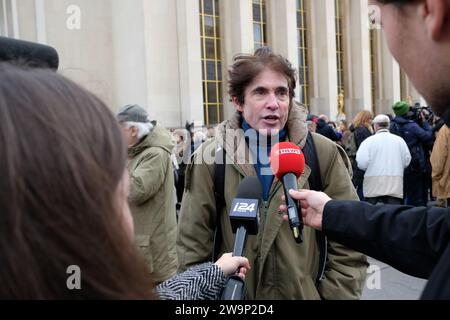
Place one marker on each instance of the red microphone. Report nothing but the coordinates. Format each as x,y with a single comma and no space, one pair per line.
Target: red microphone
288,163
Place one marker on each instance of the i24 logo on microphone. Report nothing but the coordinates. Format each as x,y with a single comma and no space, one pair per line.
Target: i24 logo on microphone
244,208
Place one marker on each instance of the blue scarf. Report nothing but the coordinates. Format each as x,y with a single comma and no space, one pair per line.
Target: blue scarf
260,147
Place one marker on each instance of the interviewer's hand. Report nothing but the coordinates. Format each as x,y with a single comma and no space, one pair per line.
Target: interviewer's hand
312,204
230,264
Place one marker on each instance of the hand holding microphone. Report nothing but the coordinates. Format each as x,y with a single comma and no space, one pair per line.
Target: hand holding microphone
229,264
288,163
312,203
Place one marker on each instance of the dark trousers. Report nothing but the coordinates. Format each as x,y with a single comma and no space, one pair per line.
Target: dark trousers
415,188
384,200
358,178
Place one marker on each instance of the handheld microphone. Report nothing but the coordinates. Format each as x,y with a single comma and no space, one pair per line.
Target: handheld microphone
31,54
288,163
244,220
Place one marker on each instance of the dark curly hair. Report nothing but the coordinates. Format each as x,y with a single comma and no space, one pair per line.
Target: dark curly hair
247,66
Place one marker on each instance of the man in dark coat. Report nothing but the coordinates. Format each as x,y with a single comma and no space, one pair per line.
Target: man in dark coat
413,240
419,138
326,130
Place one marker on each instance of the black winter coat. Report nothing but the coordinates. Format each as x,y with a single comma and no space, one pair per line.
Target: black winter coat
326,130
361,134
412,240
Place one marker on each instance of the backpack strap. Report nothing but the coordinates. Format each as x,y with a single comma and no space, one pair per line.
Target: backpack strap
315,183
345,158
219,195
309,150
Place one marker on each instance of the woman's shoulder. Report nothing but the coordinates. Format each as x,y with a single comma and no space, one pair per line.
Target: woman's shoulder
363,131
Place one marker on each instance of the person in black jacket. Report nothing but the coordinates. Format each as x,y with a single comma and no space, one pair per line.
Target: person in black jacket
419,139
413,240
361,129
326,130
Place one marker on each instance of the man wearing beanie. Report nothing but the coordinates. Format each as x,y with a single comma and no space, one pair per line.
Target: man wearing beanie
401,108
417,138
152,192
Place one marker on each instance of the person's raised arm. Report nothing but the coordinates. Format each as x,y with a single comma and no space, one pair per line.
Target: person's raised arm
410,239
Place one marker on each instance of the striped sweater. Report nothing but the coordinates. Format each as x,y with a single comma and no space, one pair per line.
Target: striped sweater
201,282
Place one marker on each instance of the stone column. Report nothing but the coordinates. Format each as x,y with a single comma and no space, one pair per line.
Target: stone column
323,53
358,64
389,77
282,29
189,55
237,37
162,61
129,53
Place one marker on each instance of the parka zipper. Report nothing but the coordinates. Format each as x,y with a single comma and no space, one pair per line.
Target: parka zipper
322,264
266,208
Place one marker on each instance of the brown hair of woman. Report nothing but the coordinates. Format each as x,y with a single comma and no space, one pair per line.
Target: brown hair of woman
62,158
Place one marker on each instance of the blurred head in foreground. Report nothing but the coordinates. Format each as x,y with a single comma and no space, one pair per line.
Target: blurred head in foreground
63,194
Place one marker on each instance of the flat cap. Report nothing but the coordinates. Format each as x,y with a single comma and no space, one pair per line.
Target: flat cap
132,113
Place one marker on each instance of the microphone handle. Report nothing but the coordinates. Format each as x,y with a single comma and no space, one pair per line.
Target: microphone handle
296,224
234,289
235,286
239,242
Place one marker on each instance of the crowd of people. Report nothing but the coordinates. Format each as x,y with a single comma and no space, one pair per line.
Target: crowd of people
82,186
402,171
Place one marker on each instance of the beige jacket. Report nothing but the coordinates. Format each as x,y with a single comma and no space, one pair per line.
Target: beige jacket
152,202
440,162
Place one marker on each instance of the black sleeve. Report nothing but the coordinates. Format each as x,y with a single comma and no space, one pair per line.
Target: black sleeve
361,134
331,134
407,238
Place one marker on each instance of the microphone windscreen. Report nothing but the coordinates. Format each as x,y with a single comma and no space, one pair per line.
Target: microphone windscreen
28,53
250,188
287,157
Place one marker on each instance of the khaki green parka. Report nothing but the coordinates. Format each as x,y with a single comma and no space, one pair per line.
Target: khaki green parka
152,202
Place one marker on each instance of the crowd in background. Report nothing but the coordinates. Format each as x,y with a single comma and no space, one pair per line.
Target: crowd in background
418,127
415,124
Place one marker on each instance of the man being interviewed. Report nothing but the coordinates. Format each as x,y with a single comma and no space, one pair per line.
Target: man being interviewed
262,87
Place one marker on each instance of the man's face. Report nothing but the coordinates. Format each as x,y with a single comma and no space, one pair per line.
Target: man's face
376,127
312,126
408,30
129,134
266,102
